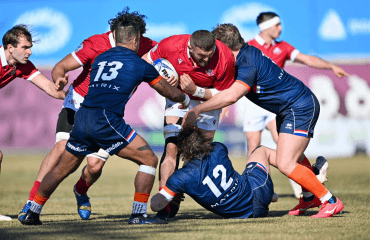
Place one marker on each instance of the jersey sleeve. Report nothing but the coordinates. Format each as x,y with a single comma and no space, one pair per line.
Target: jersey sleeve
160,50
246,75
177,182
29,71
291,52
228,76
151,75
85,53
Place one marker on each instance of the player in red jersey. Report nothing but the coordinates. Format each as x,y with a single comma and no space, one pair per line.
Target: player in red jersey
83,56
256,119
207,62
14,54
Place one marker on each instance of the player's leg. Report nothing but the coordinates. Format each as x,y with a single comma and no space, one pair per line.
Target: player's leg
90,174
64,126
271,126
253,141
1,159
139,151
67,165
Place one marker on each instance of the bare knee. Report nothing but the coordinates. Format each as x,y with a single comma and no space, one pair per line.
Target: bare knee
94,165
60,145
171,150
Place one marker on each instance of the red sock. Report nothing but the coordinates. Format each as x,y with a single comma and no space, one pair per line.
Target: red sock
34,189
308,180
82,186
305,162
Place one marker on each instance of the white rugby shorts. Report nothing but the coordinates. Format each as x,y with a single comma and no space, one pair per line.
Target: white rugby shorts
206,121
255,117
73,100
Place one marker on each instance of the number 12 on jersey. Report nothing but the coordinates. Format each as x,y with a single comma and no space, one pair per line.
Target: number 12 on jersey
225,185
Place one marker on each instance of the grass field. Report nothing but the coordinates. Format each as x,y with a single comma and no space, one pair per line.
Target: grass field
112,196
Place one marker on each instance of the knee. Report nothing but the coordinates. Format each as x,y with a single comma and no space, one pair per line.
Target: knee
153,161
171,150
61,145
95,166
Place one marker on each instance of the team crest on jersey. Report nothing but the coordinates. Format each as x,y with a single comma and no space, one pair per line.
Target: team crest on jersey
209,72
277,50
180,60
79,47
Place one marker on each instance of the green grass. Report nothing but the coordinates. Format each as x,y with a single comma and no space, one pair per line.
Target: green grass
112,197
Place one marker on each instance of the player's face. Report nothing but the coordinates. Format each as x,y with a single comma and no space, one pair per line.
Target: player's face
22,52
203,58
275,31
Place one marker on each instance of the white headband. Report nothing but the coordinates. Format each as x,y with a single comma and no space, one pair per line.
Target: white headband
269,23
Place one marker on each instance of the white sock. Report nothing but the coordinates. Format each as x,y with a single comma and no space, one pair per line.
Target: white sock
139,208
35,207
326,197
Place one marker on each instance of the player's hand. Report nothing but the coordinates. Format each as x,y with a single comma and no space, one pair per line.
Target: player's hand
190,117
224,113
186,103
339,72
187,84
60,83
172,81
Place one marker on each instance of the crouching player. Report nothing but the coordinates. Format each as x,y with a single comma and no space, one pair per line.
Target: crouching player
210,179
99,124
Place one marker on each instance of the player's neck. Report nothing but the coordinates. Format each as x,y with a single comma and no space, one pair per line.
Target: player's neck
235,54
268,40
9,58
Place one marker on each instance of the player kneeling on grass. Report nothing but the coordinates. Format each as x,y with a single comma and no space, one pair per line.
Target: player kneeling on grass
210,179
99,122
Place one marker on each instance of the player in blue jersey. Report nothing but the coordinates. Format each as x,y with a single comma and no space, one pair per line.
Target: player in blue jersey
210,179
99,123
263,82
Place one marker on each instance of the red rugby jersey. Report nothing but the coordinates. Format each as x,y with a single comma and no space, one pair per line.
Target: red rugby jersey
219,73
279,52
9,72
90,48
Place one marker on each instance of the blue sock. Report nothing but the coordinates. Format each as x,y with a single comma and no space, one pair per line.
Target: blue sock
332,200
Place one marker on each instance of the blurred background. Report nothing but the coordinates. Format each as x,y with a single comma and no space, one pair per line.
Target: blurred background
337,31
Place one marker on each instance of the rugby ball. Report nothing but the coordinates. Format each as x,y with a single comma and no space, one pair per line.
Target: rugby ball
165,68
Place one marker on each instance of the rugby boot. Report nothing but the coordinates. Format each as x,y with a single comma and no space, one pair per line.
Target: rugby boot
303,206
24,210
145,219
31,218
83,204
320,168
329,209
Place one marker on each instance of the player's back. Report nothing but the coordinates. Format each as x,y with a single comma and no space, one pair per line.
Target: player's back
272,88
115,75
214,184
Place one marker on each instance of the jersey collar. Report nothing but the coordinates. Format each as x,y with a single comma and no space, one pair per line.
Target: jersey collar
4,62
262,42
111,40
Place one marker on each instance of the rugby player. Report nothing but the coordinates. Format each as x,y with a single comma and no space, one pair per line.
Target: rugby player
207,62
99,122
263,82
14,54
210,179
83,56
255,118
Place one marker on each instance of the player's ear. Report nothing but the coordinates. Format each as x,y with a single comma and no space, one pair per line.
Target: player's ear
10,48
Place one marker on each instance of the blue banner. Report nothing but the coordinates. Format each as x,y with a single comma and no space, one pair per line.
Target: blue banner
326,28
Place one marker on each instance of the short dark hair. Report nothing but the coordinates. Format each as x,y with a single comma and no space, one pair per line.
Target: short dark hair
203,39
12,36
135,18
264,16
125,32
229,35
192,145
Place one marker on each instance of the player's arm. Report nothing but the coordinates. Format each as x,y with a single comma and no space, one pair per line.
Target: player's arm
187,85
316,62
146,58
223,99
59,72
161,199
172,93
47,86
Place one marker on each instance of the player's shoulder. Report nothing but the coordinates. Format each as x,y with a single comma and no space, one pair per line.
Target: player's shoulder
219,147
283,44
225,51
176,41
100,40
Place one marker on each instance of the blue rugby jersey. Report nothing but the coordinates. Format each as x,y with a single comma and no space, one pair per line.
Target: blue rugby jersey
214,184
271,87
115,75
